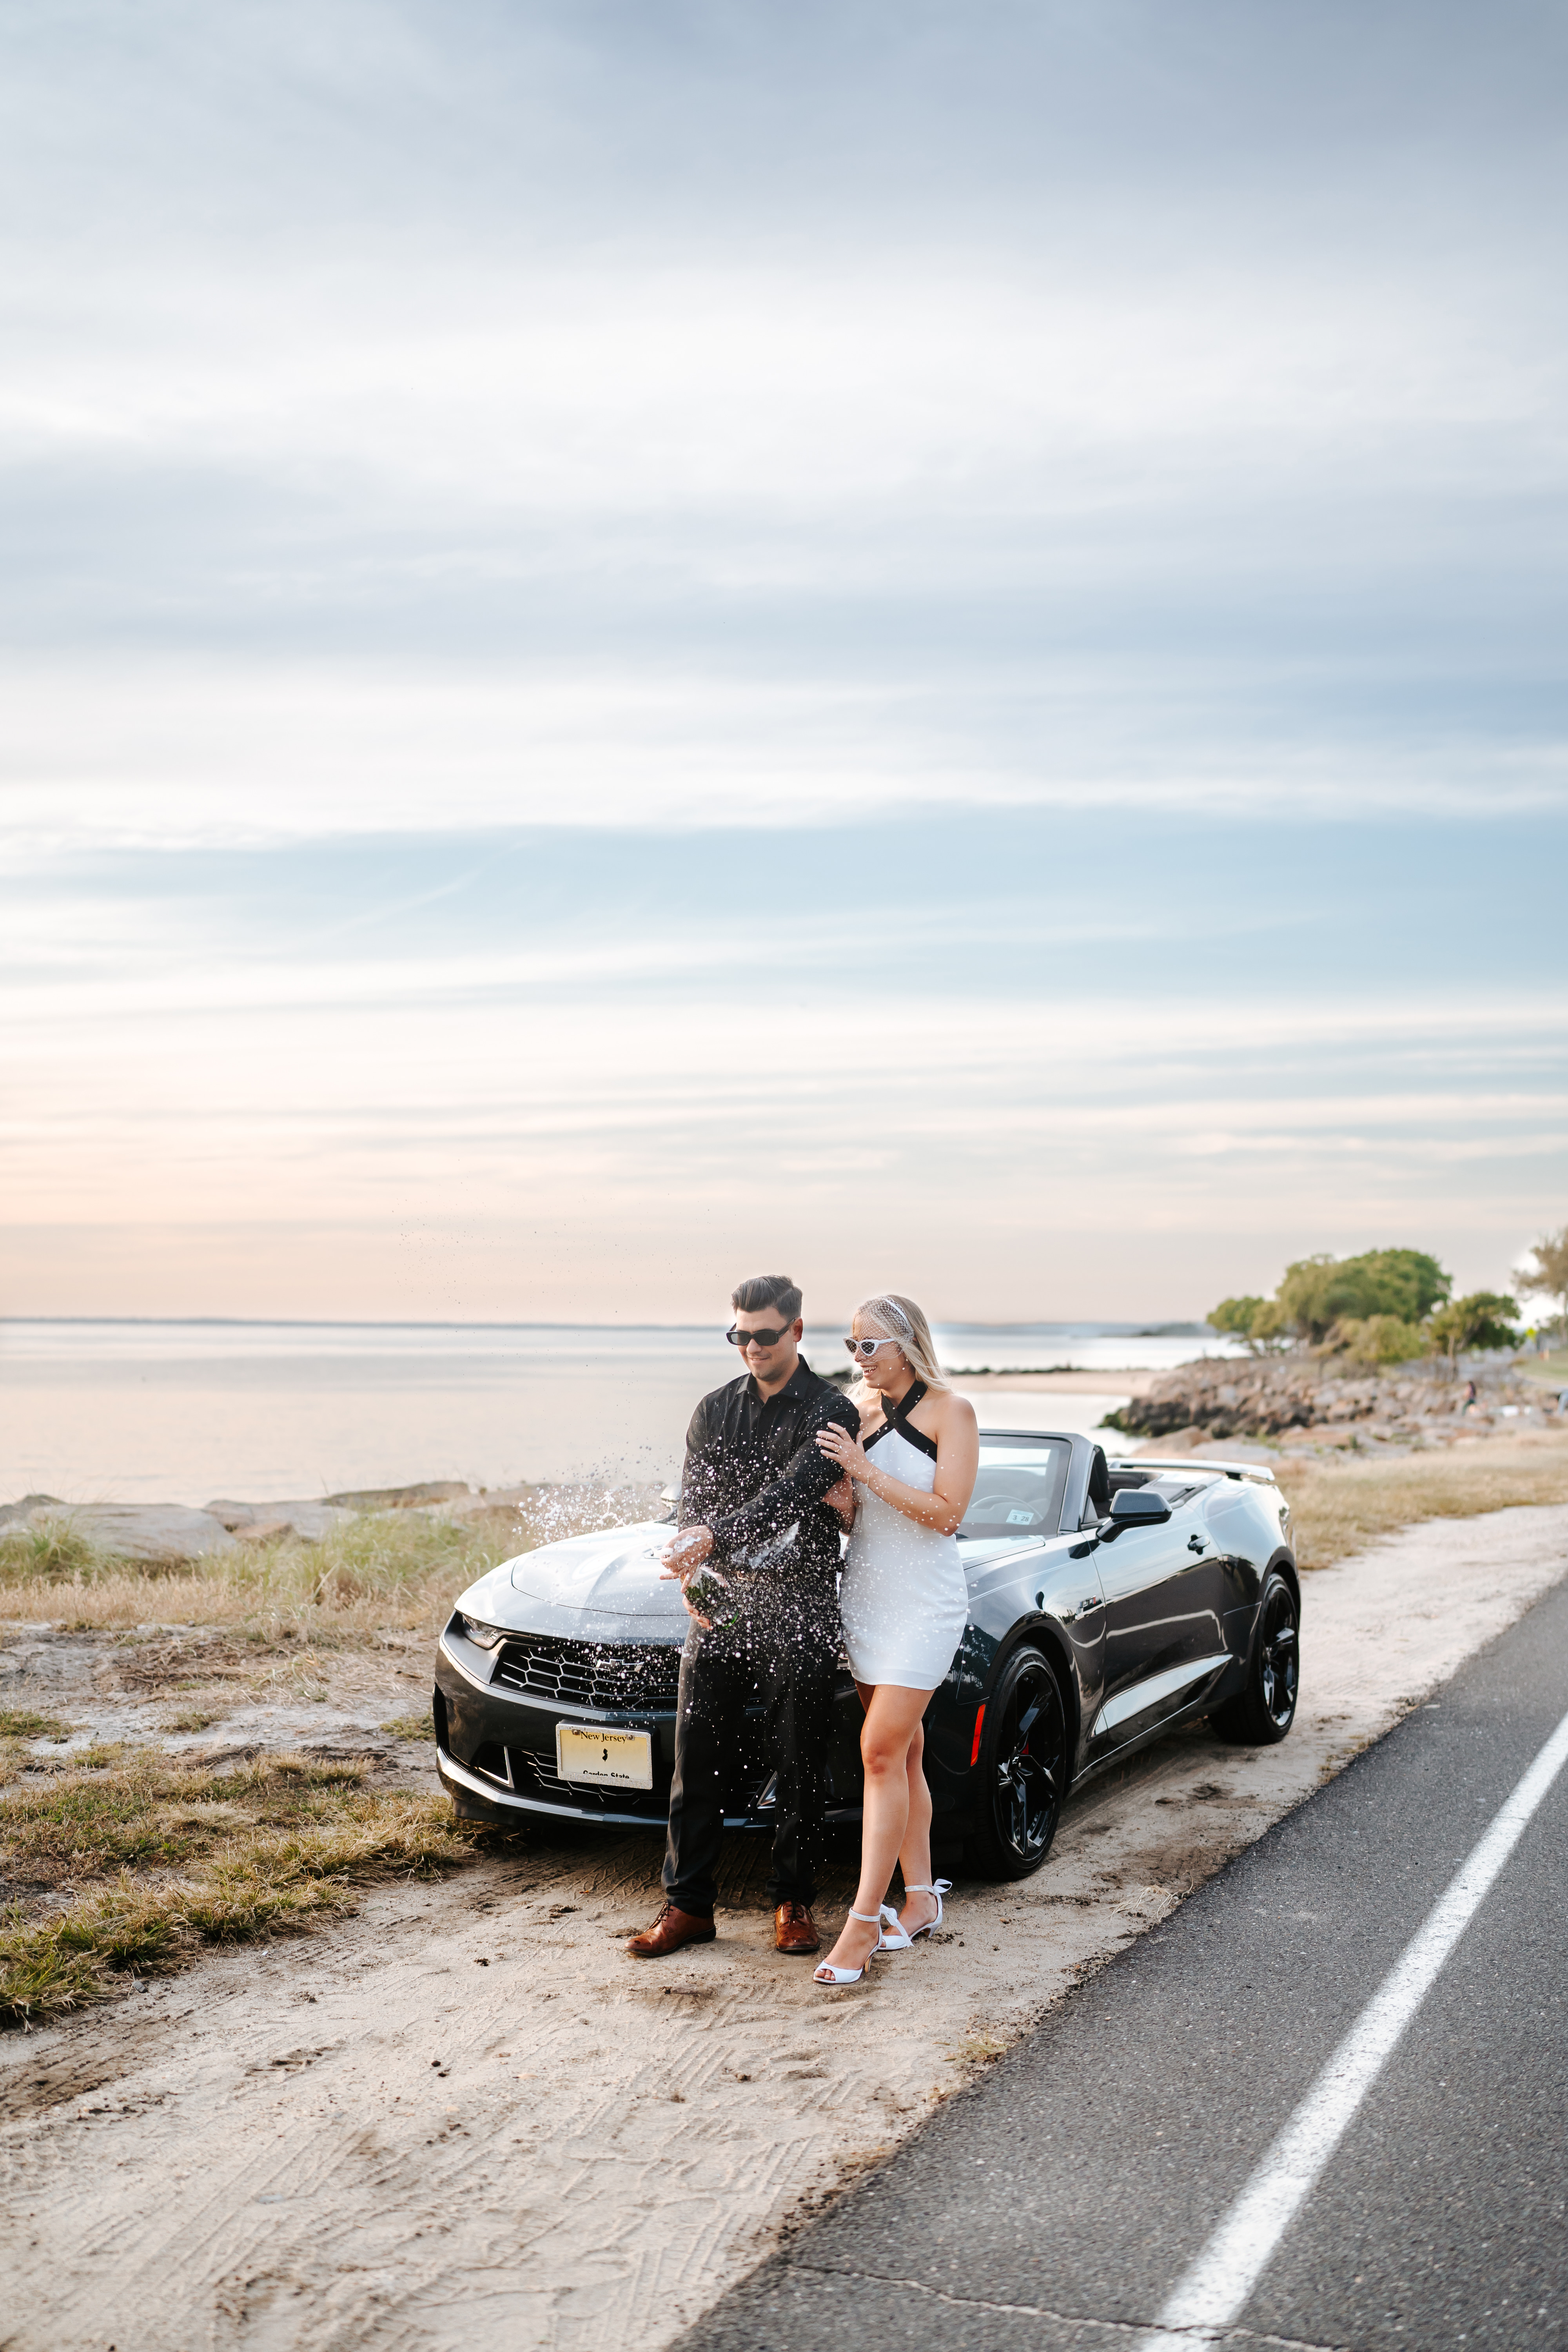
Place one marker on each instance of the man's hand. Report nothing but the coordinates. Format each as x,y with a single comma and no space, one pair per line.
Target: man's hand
840,1500
682,1558
686,1553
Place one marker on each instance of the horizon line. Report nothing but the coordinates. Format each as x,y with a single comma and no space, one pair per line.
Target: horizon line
1173,1328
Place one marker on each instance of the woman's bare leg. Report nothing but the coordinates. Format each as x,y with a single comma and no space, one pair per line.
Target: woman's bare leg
914,1854
892,1720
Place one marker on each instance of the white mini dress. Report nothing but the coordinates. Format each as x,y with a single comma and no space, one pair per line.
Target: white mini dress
904,1599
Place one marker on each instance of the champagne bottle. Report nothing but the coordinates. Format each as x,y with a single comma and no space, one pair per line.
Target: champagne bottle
711,1595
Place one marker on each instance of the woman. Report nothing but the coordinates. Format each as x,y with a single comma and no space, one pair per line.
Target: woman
904,1603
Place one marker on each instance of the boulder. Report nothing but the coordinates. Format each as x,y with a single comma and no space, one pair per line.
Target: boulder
1224,1400
151,1531
254,1522
11,1513
402,1498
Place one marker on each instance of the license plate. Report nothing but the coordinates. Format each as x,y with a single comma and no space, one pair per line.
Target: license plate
610,1759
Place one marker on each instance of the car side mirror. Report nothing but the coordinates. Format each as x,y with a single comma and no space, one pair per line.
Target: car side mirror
1136,1507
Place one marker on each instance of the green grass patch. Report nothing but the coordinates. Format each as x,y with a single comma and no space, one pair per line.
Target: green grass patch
22,1723
194,1719
55,1553
188,1859
411,1727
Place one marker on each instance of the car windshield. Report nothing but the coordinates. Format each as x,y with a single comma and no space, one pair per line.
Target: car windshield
1018,1492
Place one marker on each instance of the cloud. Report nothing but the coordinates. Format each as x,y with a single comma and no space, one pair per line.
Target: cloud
615,623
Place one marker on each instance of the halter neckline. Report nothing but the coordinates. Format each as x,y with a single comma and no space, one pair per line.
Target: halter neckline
897,1419
907,1403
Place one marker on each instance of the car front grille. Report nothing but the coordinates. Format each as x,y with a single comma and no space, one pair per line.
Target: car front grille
591,1674
536,1776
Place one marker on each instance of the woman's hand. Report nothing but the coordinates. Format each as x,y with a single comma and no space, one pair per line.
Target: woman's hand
848,1452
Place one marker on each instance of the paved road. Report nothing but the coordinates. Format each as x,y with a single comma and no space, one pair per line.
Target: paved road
1057,2203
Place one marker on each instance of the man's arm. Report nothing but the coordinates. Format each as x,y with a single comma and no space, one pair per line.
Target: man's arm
804,1482
699,1487
697,1477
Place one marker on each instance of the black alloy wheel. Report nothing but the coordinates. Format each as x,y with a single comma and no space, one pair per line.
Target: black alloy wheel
1022,1769
1261,1715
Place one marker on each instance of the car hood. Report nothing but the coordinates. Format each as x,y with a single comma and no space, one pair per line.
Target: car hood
608,1587
587,1585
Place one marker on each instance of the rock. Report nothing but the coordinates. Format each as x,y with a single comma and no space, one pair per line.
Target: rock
12,1512
402,1498
140,1530
1224,1401
254,1522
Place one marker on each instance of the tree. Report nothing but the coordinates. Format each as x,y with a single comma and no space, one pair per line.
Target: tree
1319,1292
1235,1315
1380,1339
1548,1277
1483,1319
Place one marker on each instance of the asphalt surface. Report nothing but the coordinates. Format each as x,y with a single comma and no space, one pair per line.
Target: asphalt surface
1056,2203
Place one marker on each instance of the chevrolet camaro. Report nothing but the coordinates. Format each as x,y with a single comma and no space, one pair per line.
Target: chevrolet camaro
1109,1601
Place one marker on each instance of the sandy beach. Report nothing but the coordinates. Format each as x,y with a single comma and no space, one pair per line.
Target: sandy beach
466,2111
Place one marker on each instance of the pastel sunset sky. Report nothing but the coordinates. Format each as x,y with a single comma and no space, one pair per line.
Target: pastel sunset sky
920,645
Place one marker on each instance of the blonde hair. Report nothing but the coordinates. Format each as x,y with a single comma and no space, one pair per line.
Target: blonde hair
893,1316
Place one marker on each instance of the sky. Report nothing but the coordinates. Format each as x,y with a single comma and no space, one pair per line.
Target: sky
920,645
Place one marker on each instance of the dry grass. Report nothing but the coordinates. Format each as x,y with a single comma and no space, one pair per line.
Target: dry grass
383,1570
977,2049
187,1858
398,1568
1339,1507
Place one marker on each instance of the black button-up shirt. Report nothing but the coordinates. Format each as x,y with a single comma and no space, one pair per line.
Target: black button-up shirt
755,1472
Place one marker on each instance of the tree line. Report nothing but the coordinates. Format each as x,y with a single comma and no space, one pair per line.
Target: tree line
1392,1306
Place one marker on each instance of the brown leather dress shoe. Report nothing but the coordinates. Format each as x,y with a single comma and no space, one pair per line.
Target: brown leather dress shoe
670,1930
794,1929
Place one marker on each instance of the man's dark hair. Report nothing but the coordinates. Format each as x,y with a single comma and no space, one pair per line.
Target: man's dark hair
765,1291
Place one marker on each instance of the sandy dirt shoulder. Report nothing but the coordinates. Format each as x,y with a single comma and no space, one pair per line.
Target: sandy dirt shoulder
467,2113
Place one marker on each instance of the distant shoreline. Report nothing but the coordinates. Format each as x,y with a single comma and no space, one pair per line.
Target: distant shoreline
1118,1380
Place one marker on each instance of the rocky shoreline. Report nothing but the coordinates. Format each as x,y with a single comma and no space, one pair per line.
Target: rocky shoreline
1301,1404
177,1533
1295,1404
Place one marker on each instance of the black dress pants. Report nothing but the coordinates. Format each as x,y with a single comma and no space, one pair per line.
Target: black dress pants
790,1669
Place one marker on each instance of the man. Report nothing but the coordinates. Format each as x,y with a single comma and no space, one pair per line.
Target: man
752,1508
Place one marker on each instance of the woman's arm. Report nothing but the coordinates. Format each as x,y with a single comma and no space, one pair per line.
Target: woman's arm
957,1465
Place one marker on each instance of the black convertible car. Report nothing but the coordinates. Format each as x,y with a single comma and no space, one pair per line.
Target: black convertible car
1108,1601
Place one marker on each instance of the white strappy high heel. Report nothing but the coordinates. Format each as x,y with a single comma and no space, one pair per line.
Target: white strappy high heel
893,1936
829,1975
939,1889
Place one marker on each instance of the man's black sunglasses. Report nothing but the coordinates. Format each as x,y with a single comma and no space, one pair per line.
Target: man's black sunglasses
739,1338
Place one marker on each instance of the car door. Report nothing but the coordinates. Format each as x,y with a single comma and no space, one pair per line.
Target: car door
1164,1633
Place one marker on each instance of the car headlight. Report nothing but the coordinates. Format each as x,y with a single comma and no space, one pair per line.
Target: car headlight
486,1636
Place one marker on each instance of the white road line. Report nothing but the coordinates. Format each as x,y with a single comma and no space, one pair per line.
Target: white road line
1210,2297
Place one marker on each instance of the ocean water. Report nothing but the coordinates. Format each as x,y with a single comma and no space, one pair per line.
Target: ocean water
141,1412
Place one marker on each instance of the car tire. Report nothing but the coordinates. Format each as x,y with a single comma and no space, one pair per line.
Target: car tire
1261,1715
1022,1769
